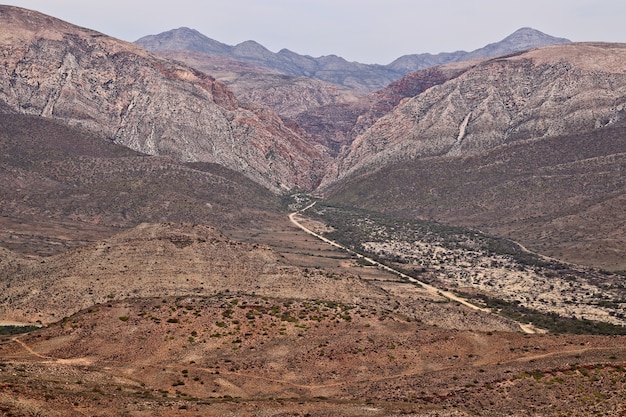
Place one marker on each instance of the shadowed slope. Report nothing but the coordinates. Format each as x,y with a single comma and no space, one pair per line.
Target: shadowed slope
62,186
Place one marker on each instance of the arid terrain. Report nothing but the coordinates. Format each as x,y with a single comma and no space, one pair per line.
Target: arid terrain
199,229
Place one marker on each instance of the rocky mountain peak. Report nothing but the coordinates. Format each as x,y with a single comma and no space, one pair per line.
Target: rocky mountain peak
520,40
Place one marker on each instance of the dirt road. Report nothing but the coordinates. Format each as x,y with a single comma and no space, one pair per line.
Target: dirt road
293,217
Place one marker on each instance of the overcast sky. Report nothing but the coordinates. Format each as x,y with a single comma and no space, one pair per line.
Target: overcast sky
368,31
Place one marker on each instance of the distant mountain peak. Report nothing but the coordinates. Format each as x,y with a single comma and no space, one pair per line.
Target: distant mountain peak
523,39
183,38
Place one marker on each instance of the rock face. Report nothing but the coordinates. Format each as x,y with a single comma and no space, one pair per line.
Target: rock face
550,91
53,69
337,124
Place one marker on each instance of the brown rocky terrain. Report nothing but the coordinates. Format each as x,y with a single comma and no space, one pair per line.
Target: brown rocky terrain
249,355
155,260
153,105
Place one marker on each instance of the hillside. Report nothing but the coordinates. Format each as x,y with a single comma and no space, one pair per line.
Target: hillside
236,354
160,107
62,187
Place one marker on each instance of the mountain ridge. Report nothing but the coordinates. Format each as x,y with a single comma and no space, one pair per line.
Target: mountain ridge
332,68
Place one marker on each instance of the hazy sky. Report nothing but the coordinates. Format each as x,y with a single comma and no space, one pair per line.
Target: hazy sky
368,31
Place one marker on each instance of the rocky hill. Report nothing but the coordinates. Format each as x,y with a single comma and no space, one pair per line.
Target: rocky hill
156,106
153,260
328,114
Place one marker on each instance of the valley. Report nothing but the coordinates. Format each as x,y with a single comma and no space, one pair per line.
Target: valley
191,228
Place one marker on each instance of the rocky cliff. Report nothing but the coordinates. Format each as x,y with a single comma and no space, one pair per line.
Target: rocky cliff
86,79
337,124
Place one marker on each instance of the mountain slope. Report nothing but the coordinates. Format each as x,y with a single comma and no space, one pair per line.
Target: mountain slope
116,89
562,196
153,260
338,124
61,187
550,91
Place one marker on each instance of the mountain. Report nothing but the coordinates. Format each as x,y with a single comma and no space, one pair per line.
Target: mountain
286,95
508,110
337,124
304,91
544,92
361,78
153,105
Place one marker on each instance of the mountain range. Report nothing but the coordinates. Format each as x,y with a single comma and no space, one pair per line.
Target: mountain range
331,68
166,209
